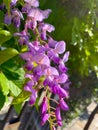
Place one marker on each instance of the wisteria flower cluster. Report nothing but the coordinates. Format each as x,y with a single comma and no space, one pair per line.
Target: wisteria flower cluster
44,59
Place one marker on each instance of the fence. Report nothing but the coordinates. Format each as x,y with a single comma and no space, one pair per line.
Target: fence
28,119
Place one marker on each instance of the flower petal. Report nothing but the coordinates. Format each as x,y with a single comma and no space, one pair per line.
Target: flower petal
61,92
26,56
63,105
44,106
65,57
34,3
38,14
44,118
33,97
41,59
58,116
62,78
62,67
60,47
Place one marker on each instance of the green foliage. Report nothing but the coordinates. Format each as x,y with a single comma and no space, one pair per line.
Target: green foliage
4,36
77,23
8,86
7,54
2,99
21,97
4,84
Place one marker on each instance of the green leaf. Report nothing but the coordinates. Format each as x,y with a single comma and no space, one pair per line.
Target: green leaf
4,84
18,107
14,89
21,97
4,36
2,99
8,85
14,71
7,54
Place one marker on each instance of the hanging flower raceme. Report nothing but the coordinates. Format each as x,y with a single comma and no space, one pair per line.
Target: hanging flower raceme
44,58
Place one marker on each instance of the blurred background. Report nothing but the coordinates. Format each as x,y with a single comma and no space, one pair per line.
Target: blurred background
76,22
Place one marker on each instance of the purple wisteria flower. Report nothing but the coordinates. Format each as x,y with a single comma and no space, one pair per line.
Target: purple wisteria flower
58,116
45,59
14,18
44,106
45,28
7,19
63,105
44,118
35,15
24,37
44,114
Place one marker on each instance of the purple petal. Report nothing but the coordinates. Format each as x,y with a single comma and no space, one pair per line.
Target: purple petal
27,88
41,59
31,24
58,116
33,97
26,56
16,16
16,22
51,71
60,47
26,8
38,14
7,19
46,13
29,76
61,92
24,37
29,85
38,72
66,56
50,54
48,27
44,106
51,42
63,105
62,78
43,35
34,3
17,13
56,59
56,89
46,82
44,118
62,67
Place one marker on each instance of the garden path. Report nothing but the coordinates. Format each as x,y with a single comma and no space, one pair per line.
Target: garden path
80,122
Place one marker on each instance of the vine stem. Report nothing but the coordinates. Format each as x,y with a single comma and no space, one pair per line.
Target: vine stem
49,111
53,100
